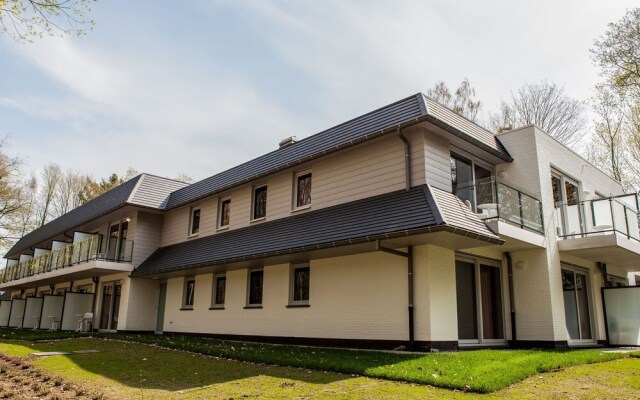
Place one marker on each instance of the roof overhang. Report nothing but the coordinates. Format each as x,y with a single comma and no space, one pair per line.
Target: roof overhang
441,236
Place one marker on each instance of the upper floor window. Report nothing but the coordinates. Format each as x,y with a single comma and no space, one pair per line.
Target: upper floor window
225,213
303,189
259,202
194,223
471,182
564,190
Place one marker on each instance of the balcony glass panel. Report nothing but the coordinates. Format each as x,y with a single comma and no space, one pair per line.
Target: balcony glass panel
598,217
117,250
493,199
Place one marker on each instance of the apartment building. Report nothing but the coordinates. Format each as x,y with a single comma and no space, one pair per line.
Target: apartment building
407,226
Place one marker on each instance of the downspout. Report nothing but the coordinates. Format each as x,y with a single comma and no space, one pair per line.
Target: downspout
407,159
409,256
412,342
511,299
605,275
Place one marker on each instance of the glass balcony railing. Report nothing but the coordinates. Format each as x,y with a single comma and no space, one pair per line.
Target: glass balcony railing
89,249
599,217
492,199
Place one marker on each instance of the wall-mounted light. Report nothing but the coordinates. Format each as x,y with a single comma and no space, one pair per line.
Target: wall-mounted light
520,265
502,175
128,219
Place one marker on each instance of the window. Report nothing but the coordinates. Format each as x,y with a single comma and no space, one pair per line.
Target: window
259,202
189,292
299,285
303,189
194,223
471,182
255,287
225,213
219,288
566,196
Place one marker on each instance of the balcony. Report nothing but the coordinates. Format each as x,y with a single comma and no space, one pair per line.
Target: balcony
601,230
75,261
510,212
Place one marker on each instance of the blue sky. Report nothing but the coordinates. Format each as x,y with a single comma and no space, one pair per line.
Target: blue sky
196,87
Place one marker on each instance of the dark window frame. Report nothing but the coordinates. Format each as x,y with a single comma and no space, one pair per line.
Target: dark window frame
297,296
189,293
297,194
255,208
221,213
255,299
193,219
218,301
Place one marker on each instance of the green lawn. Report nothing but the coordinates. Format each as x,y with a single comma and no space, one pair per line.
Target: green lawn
479,371
130,370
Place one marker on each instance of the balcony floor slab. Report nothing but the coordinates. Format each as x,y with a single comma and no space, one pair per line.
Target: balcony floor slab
614,249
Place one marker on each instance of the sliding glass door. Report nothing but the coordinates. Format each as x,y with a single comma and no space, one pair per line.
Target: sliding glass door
479,302
577,312
110,306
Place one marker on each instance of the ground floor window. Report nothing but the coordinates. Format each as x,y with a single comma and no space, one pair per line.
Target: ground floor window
219,289
188,292
479,301
577,313
254,295
300,275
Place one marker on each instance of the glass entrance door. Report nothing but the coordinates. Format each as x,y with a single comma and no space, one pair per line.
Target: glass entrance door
111,292
575,292
479,302
117,240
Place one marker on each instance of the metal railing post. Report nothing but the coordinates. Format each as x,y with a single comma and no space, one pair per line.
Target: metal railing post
521,210
613,216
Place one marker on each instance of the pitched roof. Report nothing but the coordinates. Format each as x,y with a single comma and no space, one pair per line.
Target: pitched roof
387,119
143,190
388,215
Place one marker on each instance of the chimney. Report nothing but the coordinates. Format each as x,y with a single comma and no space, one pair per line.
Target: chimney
288,141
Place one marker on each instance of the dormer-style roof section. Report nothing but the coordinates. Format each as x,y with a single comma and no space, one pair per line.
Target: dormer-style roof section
144,190
390,215
401,114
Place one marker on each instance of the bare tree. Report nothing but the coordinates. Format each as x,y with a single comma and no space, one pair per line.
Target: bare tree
15,195
545,105
608,143
25,20
617,53
633,143
461,102
51,178
69,193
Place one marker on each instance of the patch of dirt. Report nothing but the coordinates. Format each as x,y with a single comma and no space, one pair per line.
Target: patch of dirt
20,380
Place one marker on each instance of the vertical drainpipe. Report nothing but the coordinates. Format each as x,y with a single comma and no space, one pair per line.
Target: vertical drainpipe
407,159
407,164
412,342
511,299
